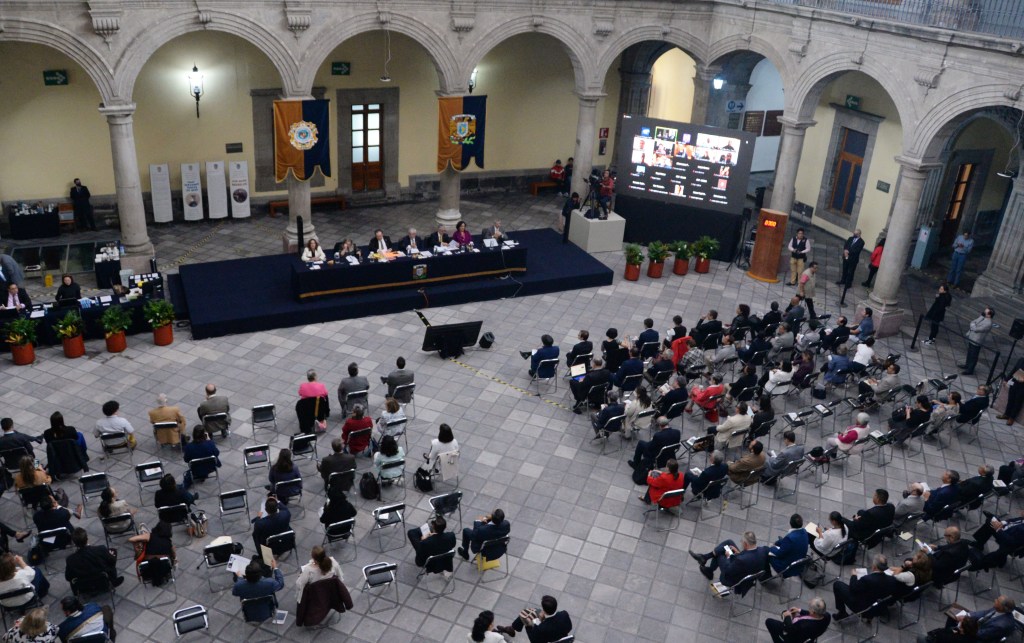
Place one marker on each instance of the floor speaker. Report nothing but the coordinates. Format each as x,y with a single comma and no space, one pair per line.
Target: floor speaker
486,340
1017,330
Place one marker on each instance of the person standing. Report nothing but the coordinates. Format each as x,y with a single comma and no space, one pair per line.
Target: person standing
806,288
937,312
799,246
876,260
980,328
961,248
80,203
851,257
572,203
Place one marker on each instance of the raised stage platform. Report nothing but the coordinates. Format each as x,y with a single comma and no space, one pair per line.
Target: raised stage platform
248,295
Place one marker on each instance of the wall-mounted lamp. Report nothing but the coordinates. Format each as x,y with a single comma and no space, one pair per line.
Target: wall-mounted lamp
195,86
472,81
718,83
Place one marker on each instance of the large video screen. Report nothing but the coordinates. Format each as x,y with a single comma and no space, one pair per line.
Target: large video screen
694,165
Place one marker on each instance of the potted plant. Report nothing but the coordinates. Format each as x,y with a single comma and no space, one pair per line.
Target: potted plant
657,252
704,248
115,322
634,259
21,335
69,329
681,250
160,315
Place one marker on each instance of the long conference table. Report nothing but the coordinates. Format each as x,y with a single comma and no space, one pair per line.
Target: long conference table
404,272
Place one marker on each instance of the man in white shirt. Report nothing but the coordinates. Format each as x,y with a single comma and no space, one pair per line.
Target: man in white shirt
865,354
112,422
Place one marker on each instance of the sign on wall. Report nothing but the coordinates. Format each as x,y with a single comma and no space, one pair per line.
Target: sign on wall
340,68
160,192
55,77
191,192
735,106
753,122
239,174
852,102
216,190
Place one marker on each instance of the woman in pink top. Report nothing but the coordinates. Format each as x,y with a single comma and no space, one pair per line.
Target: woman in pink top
462,236
312,388
846,440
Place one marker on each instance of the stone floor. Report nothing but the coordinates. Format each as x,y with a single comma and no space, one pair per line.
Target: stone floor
578,530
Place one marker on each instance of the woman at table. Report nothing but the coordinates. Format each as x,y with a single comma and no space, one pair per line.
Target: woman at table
313,251
68,289
347,248
462,236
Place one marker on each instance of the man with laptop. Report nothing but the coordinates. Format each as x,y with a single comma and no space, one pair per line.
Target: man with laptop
583,380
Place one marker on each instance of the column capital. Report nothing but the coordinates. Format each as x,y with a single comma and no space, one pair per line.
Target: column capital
792,123
451,93
909,163
590,96
296,96
125,110
707,72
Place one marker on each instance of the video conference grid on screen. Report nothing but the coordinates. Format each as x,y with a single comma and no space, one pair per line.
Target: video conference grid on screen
683,163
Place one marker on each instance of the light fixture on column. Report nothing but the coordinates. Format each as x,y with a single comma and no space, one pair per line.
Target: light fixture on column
1007,173
195,86
472,81
718,83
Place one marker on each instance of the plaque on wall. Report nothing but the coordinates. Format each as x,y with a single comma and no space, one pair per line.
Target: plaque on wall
772,126
753,122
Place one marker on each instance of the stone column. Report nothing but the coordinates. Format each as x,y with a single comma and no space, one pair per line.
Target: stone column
634,95
702,79
883,298
1005,271
448,200
586,131
790,148
128,186
298,205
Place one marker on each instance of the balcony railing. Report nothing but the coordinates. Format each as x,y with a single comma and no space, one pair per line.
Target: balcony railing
1003,18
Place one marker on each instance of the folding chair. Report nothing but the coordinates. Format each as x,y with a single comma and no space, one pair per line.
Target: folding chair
167,427
793,570
12,462
435,562
711,492
31,498
357,436
834,555
264,416
703,444
190,619
938,384
356,397
303,447
282,543
91,485
447,504
971,425
548,366
175,515
19,610
792,470
583,358
215,557
914,595
391,480
397,429
292,490
400,393
738,591
207,466
388,516
255,457
338,476
93,585
211,420
254,608
446,466
148,476
116,442
649,349
379,576
153,569
490,555
877,608
751,479
118,526
672,499
53,540
666,453
597,395
629,384
233,502
342,531
611,425
98,637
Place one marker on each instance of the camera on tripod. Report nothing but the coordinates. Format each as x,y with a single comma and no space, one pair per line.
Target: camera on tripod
595,177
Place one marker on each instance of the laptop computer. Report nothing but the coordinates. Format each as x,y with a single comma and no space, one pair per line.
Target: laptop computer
578,371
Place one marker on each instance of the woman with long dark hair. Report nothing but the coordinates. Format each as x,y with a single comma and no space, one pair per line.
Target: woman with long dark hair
282,471
483,629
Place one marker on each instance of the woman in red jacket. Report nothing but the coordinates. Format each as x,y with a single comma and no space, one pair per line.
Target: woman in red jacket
876,259
356,422
661,482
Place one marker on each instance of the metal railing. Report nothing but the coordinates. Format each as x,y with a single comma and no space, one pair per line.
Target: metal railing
1003,18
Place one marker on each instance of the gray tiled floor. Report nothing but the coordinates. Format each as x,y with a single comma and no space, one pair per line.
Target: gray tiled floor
577,527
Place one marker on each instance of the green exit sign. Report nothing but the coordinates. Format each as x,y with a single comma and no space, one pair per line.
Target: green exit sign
852,102
55,77
341,69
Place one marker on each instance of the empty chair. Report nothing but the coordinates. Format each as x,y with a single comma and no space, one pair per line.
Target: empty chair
92,486
190,619
255,458
234,502
303,446
148,475
385,517
447,504
264,416
282,543
378,577
157,572
216,556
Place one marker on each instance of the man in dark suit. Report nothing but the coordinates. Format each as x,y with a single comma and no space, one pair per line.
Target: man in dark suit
709,324
90,563
16,298
439,238
11,439
547,351
255,585
647,336
598,375
399,377
677,393
837,336
438,541
547,627
972,407
937,499
868,521
795,312
717,470
412,243
1009,535
52,516
800,626
734,564
994,624
789,548
215,404
484,528
972,488
582,347
380,241
338,462
661,364
632,366
276,520
950,557
612,409
851,257
647,450
861,592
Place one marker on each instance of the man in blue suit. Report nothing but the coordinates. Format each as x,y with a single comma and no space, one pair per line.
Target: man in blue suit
789,548
733,563
993,623
632,366
255,585
485,528
648,336
861,592
548,350
936,499
276,520
717,470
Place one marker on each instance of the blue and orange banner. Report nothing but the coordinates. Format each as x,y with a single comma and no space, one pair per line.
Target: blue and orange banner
461,122
301,138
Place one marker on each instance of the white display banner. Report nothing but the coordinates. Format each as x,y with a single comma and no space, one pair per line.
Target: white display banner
216,190
239,173
191,192
160,192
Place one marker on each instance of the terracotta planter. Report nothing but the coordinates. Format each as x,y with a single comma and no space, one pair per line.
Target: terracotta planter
24,354
681,266
117,342
702,265
655,269
632,272
164,335
73,346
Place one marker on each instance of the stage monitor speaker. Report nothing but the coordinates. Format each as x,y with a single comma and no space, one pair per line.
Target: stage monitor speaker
487,340
1017,330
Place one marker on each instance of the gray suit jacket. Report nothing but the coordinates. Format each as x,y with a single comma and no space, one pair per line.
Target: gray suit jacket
774,466
980,327
12,271
396,378
216,404
351,385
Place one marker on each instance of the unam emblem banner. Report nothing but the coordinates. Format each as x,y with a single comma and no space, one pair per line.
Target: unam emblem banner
301,138
461,124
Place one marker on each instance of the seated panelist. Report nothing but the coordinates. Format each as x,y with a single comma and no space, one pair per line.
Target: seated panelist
411,243
348,248
379,242
439,238
462,235
313,251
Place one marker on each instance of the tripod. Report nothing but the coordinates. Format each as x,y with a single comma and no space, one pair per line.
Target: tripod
590,202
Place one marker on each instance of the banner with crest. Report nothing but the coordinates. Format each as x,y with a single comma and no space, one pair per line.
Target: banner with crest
460,134
301,138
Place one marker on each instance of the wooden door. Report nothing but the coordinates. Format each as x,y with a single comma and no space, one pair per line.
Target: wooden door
367,169
957,202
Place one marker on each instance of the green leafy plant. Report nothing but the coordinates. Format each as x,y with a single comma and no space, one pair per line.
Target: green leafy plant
705,247
115,320
158,312
68,326
680,249
657,251
21,331
634,254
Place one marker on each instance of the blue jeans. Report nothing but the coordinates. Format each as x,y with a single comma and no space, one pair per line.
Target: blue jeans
956,268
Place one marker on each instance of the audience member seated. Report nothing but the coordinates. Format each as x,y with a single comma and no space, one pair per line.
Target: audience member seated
436,541
273,519
937,499
65,448
734,564
483,625
705,397
803,370
707,325
82,620
948,558
1009,537
445,442
752,461
632,366
795,313
320,567
358,422
88,563
282,471
739,421
692,361
484,528
647,336
598,375
661,482
610,410
641,402
582,347
740,322
913,572
389,452
354,383
165,413
758,345
782,343
725,351
874,387
992,625
30,474
771,318
866,327
111,422
744,385
399,377
798,625
392,413
674,333
942,410
51,515
312,387
215,404
971,488
110,506
864,355
253,584
338,462
612,351
547,351
833,338
789,548
911,417
155,544
338,507
860,593
716,470
647,451
11,439
779,379
972,407
661,364
846,441
16,575
201,446
837,366
828,539
868,521
760,422
675,394
171,493
808,338
791,452
912,502
546,626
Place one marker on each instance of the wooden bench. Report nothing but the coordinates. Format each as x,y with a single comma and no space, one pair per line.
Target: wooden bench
317,200
537,186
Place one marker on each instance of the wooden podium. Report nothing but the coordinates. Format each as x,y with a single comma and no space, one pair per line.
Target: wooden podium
771,235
